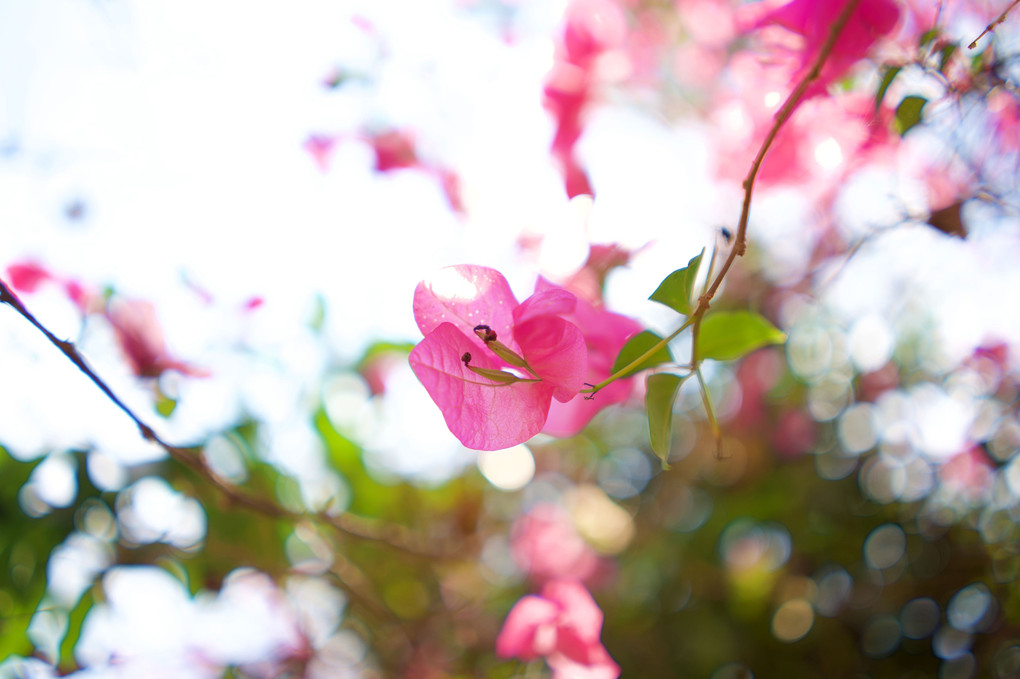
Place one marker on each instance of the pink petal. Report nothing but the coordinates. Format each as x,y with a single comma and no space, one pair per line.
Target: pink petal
548,302
579,612
27,276
565,668
482,416
140,336
517,638
467,296
605,333
545,545
555,349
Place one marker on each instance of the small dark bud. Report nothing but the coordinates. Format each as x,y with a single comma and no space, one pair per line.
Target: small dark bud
466,357
485,333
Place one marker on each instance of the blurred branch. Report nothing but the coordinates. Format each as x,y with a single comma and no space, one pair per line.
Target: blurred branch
397,537
991,27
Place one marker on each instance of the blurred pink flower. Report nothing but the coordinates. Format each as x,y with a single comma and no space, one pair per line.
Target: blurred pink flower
28,276
394,150
824,140
321,147
811,20
140,336
970,473
591,28
544,543
1004,108
493,366
563,625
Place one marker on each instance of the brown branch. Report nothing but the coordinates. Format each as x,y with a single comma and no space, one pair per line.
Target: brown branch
991,27
783,115
394,536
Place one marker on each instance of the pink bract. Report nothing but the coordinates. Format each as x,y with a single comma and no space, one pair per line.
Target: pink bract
545,545
811,20
563,625
140,336
604,333
482,413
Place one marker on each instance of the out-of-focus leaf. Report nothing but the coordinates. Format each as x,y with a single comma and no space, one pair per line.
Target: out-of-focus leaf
888,76
377,349
26,544
638,345
945,54
75,620
927,37
368,496
317,317
660,396
728,335
908,113
14,630
165,405
675,290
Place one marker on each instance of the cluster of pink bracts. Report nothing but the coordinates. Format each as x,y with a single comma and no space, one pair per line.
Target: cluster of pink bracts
502,371
561,624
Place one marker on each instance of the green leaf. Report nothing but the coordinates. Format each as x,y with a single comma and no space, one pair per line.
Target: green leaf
636,347
377,349
927,37
675,290
659,399
887,79
908,113
727,335
945,54
165,405
74,626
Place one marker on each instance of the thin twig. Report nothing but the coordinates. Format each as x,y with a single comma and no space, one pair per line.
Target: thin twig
394,536
740,245
991,27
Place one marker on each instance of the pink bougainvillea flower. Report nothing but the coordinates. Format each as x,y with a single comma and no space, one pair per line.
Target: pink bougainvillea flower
394,150
604,333
825,139
811,20
545,544
970,473
494,366
141,339
591,28
1004,109
563,625
29,276
320,147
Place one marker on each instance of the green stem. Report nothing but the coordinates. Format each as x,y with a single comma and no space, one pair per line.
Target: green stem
706,399
640,359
